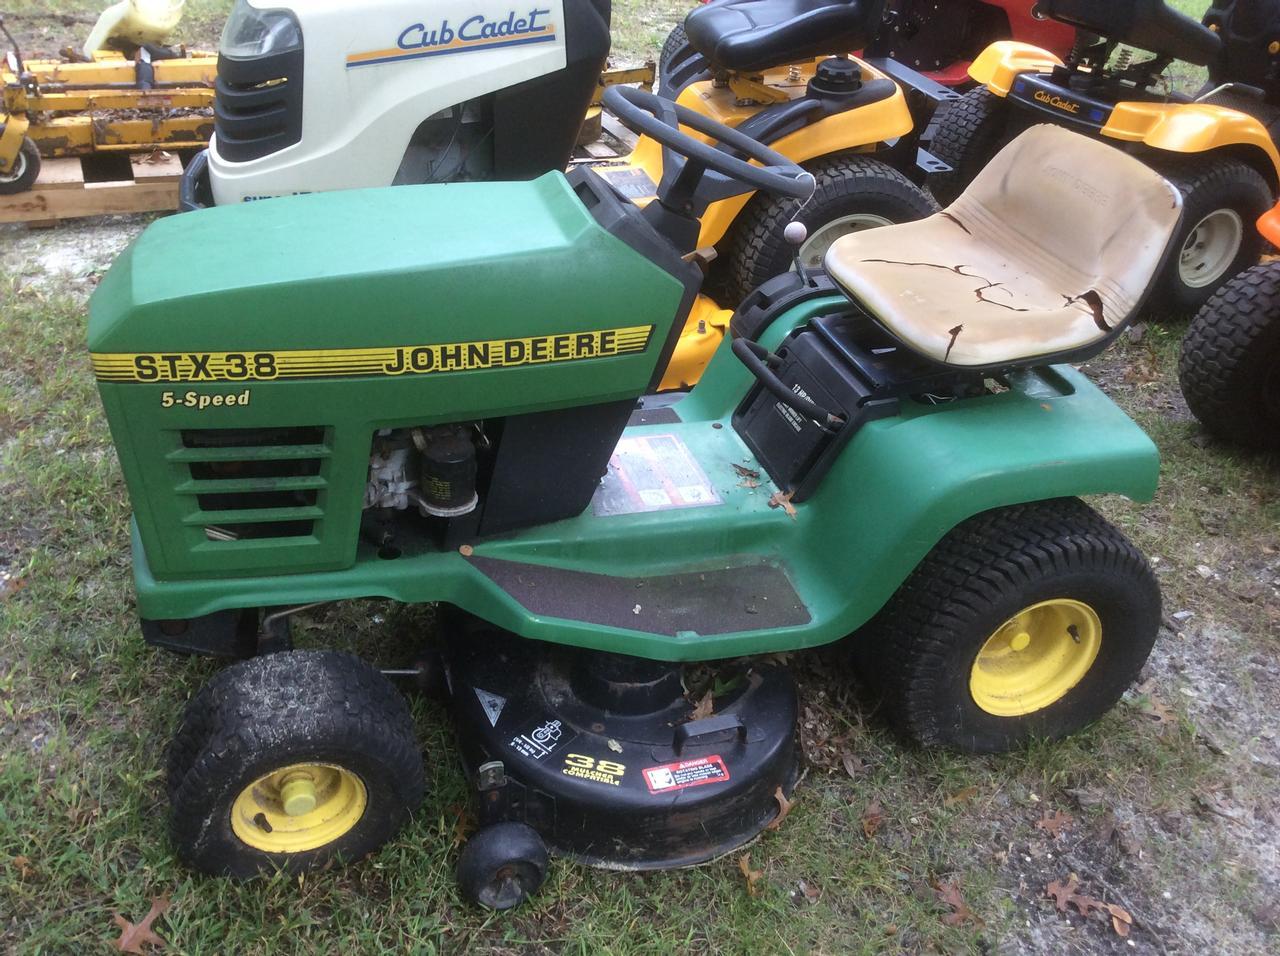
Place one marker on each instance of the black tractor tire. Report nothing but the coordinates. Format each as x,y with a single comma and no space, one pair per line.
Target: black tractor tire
256,718
920,651
25,171
1229,368
502,866
673,44
1210,185
971,130
848,185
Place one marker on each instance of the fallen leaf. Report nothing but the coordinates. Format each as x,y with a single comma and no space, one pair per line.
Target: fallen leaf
960,914
1159,713
852,764
1054,823
704,708
23,865
1121,921
1065,893
752,876
744,472
960,796
782,499
1061,893
134,939
784,807
872,819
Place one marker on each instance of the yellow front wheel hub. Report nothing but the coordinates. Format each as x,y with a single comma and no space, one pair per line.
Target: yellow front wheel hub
298,808
1035,657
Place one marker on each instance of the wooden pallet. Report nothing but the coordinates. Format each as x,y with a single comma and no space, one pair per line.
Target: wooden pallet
61,192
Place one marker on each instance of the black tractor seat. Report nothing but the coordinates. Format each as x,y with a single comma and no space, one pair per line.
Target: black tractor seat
1146,24
755,35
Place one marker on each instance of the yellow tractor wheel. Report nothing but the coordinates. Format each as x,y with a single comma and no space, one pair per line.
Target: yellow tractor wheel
1023,623
291,760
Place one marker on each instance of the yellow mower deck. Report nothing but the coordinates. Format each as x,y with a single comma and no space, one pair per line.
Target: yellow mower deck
75,109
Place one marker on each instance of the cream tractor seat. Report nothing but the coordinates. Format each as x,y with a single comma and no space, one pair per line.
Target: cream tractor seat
1050,250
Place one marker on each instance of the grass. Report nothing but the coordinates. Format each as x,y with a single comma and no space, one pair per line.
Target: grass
88,710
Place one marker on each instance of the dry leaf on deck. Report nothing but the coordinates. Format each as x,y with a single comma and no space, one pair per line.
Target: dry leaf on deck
704,708
782,499
135,939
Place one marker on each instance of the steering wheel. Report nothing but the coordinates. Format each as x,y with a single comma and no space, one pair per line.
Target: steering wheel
661,119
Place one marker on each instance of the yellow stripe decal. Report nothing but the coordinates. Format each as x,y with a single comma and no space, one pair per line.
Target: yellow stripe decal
382,361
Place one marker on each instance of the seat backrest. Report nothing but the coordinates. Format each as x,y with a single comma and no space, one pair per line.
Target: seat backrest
756,35
1147,24
1084,214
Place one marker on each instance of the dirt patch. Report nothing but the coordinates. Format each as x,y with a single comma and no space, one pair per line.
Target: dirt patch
70,258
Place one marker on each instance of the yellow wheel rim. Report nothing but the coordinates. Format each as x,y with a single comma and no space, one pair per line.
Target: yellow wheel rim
1035,657
298,808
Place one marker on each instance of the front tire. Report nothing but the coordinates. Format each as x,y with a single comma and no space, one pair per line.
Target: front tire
1222,198
289,761
26,169
1026,622
853,193
1229,368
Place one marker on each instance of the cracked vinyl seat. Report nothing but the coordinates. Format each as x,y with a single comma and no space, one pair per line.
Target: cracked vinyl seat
754,35
1049,253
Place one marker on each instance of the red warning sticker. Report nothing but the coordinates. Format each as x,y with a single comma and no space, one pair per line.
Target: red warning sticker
685,773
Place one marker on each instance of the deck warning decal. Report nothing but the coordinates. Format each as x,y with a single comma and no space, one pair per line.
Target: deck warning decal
492,705
685,773
541,740
652,473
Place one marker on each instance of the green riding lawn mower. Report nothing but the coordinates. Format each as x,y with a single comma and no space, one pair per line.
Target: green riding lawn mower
889,449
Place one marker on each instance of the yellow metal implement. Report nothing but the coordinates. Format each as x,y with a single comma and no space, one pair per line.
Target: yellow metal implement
72,109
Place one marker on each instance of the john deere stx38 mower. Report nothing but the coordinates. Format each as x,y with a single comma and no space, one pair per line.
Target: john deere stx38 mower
890,447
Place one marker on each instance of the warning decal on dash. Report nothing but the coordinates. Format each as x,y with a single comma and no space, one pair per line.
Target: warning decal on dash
685,773
652,473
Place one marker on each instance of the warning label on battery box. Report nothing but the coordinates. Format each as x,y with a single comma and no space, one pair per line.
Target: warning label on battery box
652,473
685,773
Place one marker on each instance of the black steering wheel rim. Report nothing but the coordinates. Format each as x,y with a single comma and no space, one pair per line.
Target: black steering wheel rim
660,119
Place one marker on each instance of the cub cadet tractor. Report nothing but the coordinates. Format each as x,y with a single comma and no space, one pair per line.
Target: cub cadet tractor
153,99
1222,161
939,40
891,445
1229,368
446,101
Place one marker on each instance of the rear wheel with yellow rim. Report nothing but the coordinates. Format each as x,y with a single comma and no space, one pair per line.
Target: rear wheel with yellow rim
1023,623
290,760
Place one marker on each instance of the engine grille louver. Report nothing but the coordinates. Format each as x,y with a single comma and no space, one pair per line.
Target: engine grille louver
252,484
